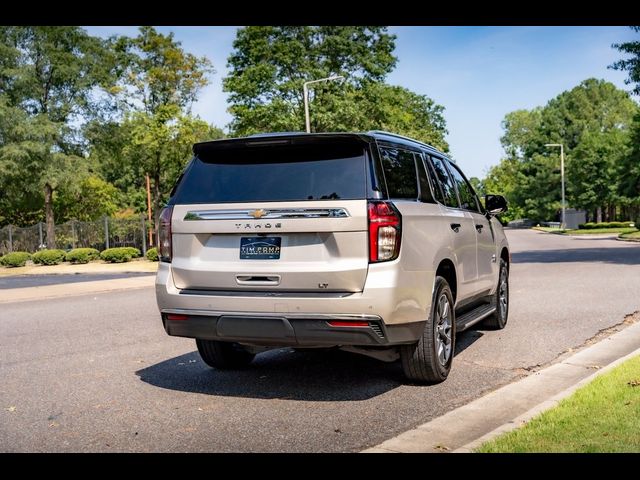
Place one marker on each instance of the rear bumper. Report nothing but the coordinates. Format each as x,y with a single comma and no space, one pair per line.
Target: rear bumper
293,330
394,302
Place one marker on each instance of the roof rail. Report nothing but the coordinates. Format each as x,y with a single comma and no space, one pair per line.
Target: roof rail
382,132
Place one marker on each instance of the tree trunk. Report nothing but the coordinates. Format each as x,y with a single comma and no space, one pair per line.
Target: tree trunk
48,214
599,215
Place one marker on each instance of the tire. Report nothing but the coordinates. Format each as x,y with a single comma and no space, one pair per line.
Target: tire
498,320
429,360
223,355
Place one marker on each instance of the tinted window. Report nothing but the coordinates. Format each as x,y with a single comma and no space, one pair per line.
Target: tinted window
423,181
437,188
465,192
275,173
399,172
442,176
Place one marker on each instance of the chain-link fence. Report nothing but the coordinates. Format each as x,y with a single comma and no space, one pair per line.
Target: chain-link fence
99,234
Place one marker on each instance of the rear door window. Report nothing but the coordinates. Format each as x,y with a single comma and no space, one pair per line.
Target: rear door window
450,199
275,173
400,172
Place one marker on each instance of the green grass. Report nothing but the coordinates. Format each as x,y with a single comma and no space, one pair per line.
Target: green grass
603,416
631,235
588,231
600,230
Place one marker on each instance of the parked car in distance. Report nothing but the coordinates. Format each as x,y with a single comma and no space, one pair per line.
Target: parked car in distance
369,242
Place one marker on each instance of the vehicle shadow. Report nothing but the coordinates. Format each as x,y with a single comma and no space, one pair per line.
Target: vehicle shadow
467,338
310,375
618,255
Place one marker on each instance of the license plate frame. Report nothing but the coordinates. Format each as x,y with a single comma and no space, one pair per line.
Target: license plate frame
260,248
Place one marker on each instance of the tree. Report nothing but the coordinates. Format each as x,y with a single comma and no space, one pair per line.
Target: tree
154,71
158,82
93,199
48,76
594,170
594,111
399,110
161,145
269,66
629,167
631,65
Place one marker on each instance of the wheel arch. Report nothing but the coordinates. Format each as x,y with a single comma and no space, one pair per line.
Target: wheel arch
447,270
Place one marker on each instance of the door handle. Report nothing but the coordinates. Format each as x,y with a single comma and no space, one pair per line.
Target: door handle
258,280
479,227
455,227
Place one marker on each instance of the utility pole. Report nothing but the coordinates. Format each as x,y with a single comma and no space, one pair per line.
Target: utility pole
149,210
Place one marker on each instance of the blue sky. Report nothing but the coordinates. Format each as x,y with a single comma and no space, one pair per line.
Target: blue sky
478,74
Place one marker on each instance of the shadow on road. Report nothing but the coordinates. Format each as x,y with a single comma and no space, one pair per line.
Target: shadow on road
328,375
619,255
310,375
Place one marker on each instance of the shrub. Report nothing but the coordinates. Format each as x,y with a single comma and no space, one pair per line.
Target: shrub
48,257
592,225
15,259
117,255
135,253
82,255
152,254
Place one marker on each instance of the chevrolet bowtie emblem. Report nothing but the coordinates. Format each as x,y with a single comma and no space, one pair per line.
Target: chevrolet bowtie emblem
258,213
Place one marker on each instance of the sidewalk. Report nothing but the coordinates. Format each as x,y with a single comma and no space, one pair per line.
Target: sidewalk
465,428
78,288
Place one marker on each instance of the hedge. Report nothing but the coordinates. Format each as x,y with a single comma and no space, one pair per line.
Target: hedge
152,254
82,255
15,259
48,257
119,254
592,225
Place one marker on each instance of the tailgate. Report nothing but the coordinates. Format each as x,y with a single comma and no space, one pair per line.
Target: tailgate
313,246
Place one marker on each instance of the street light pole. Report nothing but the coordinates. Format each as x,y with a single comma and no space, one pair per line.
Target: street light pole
561,176
305,94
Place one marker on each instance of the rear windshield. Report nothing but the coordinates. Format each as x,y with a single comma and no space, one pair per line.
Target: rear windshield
275,173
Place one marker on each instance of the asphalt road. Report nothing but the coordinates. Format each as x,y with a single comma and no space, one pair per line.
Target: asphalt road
23,281
98,373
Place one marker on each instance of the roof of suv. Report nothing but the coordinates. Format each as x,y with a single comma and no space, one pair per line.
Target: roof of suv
286,137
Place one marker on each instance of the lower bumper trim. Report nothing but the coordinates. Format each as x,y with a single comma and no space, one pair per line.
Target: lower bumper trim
290,330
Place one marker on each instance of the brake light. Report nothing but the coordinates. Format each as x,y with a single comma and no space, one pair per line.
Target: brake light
165,248
384,232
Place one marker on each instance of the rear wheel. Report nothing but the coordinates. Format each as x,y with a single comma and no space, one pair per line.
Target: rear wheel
498,320
223,355
430,359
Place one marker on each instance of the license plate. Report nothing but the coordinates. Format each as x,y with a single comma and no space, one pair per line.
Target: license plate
260,248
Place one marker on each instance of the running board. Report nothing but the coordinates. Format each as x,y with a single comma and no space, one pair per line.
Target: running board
474,316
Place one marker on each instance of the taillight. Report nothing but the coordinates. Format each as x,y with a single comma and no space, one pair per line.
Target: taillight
384,232
164,235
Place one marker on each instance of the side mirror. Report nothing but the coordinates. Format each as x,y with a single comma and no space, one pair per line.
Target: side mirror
495,204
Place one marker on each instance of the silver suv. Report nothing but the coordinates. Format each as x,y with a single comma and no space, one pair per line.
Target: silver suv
369,242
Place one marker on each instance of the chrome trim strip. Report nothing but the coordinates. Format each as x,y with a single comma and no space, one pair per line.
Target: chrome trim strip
301,316
266,214
264,293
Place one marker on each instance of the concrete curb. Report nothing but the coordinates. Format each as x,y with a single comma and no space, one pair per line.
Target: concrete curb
632,240
466,427
70,289
541,407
